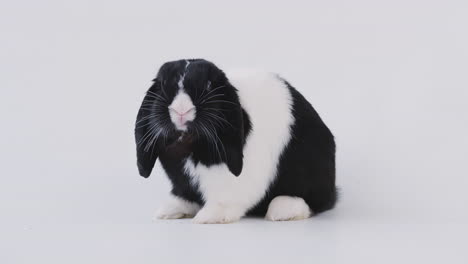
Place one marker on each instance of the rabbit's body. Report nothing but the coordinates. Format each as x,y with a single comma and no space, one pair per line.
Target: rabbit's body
287,159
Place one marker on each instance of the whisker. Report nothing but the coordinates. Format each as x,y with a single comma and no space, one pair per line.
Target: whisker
217,121
211,137
156,135
220,101
153,132
155,109
215,109
220,142
211,97
146,135
210,92
145,118
218,118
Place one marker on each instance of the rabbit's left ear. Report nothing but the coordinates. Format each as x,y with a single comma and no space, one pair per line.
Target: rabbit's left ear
234,143
146,157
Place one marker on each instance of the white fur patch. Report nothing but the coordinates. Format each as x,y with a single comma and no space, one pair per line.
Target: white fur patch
284,208
268,103
180,83
176,208
182,110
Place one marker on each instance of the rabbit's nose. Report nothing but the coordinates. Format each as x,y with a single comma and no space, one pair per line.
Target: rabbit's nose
181,112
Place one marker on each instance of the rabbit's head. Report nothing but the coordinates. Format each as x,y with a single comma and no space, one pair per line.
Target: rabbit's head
191,99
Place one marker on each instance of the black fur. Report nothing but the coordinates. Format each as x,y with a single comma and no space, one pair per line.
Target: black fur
307,165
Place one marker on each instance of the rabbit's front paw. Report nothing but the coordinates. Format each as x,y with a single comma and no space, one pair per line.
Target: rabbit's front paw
217,214
177,208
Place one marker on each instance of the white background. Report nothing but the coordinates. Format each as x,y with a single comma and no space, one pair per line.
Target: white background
390,79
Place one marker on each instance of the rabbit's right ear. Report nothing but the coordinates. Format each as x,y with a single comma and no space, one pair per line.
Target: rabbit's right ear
146,157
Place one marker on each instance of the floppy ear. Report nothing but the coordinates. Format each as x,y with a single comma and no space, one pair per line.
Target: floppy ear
235,143
145,159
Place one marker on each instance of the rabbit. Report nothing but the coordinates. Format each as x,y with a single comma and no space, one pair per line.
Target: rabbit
234,144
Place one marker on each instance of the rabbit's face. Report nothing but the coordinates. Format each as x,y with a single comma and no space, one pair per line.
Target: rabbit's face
191,96
191,106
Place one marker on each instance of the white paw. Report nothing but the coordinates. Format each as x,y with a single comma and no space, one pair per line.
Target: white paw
177,208
160,214
284,208
217,215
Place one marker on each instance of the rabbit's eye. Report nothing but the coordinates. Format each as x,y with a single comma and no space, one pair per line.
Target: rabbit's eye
208,86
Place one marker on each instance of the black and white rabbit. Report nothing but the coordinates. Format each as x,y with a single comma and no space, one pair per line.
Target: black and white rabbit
234,144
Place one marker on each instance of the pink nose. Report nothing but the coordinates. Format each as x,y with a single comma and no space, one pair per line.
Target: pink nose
182,114
181,117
